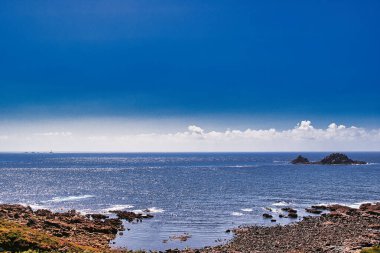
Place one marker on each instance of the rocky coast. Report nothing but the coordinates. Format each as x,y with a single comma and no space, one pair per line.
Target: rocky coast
22,228
343,229
338,229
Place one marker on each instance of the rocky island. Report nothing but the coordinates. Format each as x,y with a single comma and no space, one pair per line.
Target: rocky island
332,159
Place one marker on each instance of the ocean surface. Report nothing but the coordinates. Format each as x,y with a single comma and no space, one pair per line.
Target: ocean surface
201,194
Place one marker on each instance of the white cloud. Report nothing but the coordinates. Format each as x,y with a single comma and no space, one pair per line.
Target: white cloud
304,136
195,129
305,125
55,134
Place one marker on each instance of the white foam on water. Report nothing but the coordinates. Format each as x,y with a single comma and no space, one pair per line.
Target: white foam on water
118,207
237,214
281,203
34,206
271,209
138,211
155,210
68,198
240,166
247,209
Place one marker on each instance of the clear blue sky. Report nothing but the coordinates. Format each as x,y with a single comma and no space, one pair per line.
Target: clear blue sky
188,57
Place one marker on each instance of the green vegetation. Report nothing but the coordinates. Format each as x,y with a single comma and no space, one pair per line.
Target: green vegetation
375,249
20,238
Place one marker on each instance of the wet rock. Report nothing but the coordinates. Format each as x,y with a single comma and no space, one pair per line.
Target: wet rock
97,216
267,216
293,215
319,207
289,210
313,210
131,216
183,238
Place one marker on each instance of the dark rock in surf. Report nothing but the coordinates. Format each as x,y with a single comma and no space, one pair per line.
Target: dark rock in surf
293,215
313,210
267,216
289,210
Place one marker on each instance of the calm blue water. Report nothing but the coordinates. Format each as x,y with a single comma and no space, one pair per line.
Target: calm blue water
200,194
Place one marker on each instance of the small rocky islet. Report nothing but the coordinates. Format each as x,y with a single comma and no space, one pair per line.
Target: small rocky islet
332,159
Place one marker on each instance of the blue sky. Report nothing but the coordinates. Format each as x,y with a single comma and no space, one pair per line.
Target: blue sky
161,66
193,57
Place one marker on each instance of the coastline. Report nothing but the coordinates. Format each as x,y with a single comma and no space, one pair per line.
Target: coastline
343,229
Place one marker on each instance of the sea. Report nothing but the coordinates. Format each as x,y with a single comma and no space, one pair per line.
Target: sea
199,195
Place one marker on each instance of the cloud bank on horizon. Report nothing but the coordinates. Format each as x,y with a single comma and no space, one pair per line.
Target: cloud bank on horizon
303,137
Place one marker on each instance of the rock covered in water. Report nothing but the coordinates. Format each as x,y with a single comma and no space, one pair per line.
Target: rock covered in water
131,216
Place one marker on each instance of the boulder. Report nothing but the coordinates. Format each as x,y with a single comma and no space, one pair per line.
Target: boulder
313,210
293,215
289,210
319,207
267,216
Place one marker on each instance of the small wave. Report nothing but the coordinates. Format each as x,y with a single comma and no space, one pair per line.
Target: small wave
247,209
280,203
34,206
271,209
69,198
154,210
237,214
118,207
240,166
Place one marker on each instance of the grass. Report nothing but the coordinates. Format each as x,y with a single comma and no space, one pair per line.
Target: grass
375,249
20,238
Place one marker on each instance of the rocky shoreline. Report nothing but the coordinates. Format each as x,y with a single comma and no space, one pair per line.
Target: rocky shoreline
66,232
342,229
